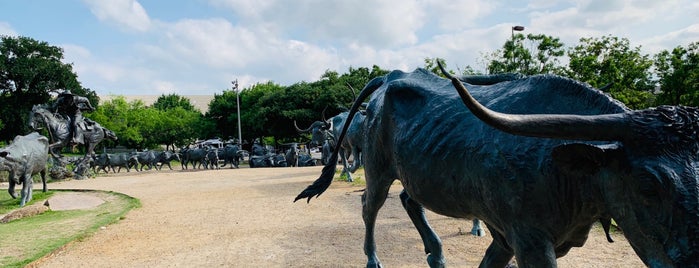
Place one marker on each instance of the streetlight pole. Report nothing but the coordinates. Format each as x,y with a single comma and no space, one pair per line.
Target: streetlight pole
515,28
237,102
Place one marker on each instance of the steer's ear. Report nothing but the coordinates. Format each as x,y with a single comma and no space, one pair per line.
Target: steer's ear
578,158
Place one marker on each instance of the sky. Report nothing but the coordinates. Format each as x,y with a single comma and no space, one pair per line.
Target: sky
198,47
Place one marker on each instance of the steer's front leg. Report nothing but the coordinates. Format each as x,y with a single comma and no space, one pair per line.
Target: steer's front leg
533,248
27,185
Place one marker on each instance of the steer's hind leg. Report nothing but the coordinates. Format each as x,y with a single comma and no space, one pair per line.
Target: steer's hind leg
43,180
372,200
433,245
11,189
496,255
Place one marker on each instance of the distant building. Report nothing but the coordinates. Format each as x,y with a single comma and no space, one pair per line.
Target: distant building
200,102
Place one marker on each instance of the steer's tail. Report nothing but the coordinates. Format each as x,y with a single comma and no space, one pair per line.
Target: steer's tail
326,177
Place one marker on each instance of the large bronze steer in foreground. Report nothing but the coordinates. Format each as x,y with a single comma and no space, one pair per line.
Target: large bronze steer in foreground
540,191
23,158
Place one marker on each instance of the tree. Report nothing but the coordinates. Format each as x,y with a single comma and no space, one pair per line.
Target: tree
114,115
678,73
268,110
29,71
170,101
178,127
177,121
431,65
600,61
533,54
222,116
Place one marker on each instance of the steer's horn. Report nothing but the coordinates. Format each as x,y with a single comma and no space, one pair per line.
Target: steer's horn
323,114
308,129
354,95
604,127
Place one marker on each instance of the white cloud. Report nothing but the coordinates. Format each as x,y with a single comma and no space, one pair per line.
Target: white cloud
262,40
126,14
458,15
246,8
6,29
380,22
88,67
682,37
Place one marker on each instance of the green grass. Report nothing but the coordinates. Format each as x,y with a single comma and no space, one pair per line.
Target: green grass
25,240
357,177
7,203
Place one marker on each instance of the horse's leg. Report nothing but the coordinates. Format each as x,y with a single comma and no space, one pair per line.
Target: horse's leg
54,146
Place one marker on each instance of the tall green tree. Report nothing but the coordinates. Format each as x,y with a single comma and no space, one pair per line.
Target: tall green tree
29,71
600,61
678,73
530,54
177,121
171,101
130,121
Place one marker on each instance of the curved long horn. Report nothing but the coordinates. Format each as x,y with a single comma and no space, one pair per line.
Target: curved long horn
354,95
604,127
323,114
308,129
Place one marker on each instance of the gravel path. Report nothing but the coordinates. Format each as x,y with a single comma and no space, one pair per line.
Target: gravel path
245,218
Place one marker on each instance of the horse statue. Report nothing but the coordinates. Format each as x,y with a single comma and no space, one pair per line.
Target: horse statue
59,132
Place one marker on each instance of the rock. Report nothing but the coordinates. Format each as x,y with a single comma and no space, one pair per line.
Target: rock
26,211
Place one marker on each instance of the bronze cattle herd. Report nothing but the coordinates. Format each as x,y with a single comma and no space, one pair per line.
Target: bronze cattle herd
537,159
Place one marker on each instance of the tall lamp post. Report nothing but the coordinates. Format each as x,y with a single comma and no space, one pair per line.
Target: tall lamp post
237,102
519,29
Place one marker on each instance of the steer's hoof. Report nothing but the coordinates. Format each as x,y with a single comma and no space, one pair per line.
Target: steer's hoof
436,262
374,265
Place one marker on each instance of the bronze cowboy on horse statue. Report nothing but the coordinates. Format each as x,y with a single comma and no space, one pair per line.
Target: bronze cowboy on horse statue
67,127
71,106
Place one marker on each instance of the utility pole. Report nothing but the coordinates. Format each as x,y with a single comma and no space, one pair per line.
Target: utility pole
514,28
237,102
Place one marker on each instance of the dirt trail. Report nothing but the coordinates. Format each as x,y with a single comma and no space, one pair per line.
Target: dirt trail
245,218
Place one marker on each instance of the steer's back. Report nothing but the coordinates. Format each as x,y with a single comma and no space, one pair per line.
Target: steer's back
30,150
442,153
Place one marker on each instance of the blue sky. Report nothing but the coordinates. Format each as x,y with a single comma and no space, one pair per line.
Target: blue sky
197,47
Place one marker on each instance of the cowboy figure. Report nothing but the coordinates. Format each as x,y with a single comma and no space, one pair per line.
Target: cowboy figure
71,106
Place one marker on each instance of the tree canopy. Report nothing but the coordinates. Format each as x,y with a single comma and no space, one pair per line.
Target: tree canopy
30,70
678,73
600,61
516,55
269,109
